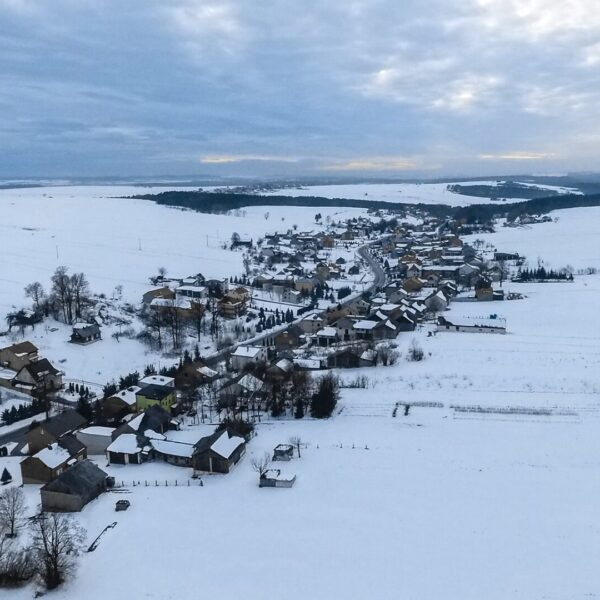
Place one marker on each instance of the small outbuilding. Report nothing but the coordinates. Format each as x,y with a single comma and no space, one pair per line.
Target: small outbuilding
74,488
85,333
283,452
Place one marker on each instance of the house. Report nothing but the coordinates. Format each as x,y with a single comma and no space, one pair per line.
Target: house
491,324
195,292
345,328
264,281
436,302
289,338
96,439
17,356
160,292
48,463
115,407
153,419
327,336
243,386
218,453
413,284
344,359
274,478
468,274
245,355
128,448
311,323
232,306
280,371
37,376
157,380
283,452
306,284
291,296
51,431
207,375
173,452
149,395
368,358
322,271
85,333
74,488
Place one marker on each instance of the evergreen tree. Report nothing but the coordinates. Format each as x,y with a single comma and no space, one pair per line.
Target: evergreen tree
325,399
84,408
6,477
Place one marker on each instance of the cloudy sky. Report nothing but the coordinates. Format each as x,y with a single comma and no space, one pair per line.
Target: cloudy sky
287,87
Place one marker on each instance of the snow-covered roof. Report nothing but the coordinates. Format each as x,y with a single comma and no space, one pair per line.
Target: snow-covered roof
313,317
191,288
308,363
126,443
153,435
207,371
53,456
250,382
158,380
389,307
173,448
136,422
247,351
97,430
366,324
496,322
284,364
225,446
327,332
128,395
7,373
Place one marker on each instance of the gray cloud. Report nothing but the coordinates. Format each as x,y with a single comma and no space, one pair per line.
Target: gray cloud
97,87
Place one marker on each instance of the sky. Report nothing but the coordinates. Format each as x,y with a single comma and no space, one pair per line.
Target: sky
286,88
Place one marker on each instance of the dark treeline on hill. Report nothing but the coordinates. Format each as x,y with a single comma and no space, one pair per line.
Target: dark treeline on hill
482,213
213,202
507,189
219,202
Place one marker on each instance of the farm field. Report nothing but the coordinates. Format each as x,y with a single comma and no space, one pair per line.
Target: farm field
486,489
408,193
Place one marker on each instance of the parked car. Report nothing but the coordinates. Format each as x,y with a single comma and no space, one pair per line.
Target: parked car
122,505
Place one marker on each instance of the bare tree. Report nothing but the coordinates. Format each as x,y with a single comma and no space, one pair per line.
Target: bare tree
61,293
261,464
296,441
198,311
12,508
35,291
80,290
415,352
56,542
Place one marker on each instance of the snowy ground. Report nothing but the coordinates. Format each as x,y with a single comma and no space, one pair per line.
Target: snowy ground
574,239
438,504
409,193
116,241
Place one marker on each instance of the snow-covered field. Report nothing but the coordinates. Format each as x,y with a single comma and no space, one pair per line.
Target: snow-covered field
435,504
574,239
118,241
408,193
440,504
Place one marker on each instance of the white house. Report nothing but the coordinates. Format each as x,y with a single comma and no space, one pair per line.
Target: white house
245,355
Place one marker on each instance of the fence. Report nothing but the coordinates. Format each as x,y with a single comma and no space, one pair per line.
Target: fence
158,483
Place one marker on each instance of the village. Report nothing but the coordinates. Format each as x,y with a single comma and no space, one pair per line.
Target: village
307,304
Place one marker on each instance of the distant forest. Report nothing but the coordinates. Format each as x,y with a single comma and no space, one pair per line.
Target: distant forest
505,189
220,202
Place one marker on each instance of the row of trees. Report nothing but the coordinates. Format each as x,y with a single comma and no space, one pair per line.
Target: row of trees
23,411
543,274
54,542
67,299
